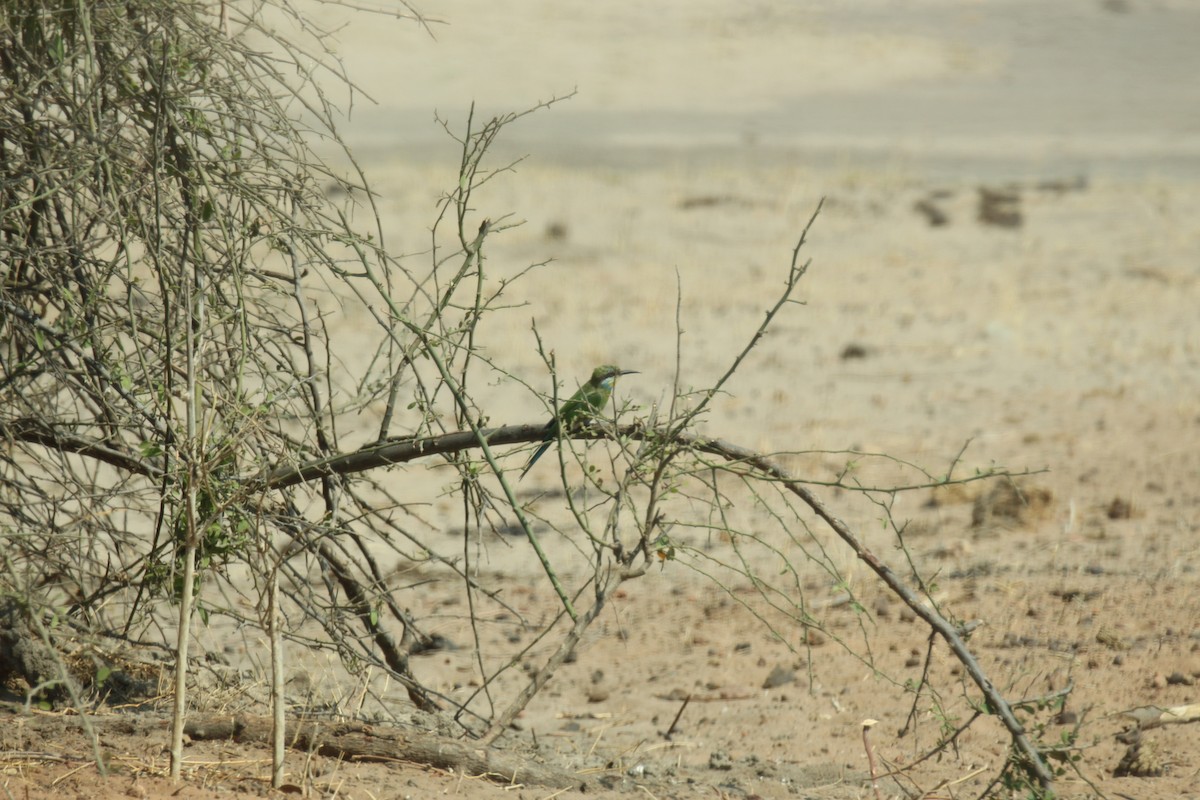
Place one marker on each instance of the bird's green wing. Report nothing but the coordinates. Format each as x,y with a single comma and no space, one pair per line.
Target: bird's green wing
587,401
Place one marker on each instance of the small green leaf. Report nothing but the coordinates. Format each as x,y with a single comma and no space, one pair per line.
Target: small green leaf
57,51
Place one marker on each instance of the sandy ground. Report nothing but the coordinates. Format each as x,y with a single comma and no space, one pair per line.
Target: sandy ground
1054,328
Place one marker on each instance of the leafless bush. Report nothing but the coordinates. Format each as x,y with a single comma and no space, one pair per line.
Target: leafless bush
171,400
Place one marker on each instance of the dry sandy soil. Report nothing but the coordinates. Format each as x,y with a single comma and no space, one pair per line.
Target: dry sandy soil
1008,255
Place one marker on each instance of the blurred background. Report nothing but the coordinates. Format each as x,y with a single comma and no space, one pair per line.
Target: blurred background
1078,85
1010,194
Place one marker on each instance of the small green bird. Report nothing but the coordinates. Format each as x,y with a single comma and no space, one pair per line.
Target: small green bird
587,402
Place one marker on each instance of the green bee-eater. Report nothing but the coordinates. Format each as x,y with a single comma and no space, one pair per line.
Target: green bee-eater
587,402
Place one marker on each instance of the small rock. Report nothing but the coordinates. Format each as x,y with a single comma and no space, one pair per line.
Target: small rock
1179,679
597,694
1119,508
719,759
999,207
1065,717
779,677
853,350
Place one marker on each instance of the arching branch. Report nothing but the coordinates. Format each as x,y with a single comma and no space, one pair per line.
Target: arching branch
393,452
397,451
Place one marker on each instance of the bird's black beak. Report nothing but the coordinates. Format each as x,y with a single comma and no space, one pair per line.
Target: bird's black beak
629,372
